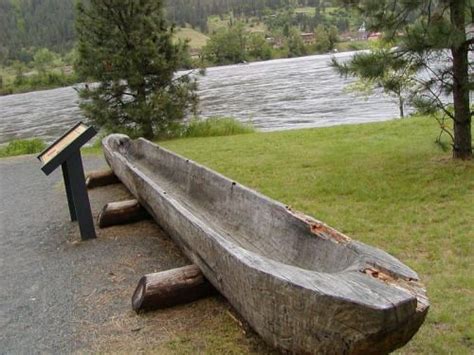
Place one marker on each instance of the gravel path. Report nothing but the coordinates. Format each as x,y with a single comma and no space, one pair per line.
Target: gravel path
58,294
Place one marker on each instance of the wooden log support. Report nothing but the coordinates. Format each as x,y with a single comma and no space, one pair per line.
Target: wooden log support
101,178
122,212
170,288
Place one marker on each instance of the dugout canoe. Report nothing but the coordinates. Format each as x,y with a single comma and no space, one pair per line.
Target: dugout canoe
300,284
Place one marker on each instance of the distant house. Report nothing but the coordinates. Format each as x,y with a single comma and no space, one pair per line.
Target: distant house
374,36
308,38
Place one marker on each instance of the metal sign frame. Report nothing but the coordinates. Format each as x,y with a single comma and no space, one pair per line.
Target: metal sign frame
68,156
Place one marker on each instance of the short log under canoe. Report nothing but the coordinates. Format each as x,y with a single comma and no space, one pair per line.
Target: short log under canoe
121,212
303,286
101,178
170,288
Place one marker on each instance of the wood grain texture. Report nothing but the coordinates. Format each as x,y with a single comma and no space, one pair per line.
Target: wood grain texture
170,288
122,212
101,178
303,286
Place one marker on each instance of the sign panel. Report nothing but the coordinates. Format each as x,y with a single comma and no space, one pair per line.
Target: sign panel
58,146
66,152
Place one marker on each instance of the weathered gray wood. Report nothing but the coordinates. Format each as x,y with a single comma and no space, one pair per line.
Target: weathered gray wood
170,288
122,212
101,178
303,286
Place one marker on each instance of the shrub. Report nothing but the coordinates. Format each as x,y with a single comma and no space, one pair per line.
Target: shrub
216,126
22,146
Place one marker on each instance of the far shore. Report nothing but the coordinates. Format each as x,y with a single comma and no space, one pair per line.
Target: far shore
7,91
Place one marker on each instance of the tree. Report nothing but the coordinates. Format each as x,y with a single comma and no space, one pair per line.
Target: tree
42,59
296,47
333,35
19,72
70,57
126,46
227,45
326,38
379,69
258,47
323,42
431,37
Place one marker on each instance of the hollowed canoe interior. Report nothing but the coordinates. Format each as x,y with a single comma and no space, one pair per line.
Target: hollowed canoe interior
240,215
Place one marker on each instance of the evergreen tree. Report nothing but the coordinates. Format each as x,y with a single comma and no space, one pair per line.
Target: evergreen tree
126,46
258,47
323,42
431,37
227,45
42,59
378,69
296,47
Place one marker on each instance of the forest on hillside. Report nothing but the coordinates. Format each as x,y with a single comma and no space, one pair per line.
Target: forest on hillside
35,23
26,25
38,37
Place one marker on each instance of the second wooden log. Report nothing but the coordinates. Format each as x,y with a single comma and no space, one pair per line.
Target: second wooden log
169,288
122,212
101,178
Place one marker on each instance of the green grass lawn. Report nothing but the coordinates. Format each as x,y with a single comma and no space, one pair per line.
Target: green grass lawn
386,184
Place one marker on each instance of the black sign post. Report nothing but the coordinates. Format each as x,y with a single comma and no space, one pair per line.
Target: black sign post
66,152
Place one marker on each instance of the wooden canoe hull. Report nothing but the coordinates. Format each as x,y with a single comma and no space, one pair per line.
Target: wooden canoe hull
301,285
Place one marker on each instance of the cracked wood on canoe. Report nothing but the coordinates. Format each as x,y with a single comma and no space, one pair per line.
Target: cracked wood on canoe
302,285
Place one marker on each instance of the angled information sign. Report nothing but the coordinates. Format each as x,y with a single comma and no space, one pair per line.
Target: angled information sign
66,152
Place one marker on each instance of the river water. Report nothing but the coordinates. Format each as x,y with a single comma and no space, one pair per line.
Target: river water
273,95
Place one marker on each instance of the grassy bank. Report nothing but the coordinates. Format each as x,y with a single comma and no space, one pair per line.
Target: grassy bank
214,127
386,184
21,147
210,127
348,46
35,82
